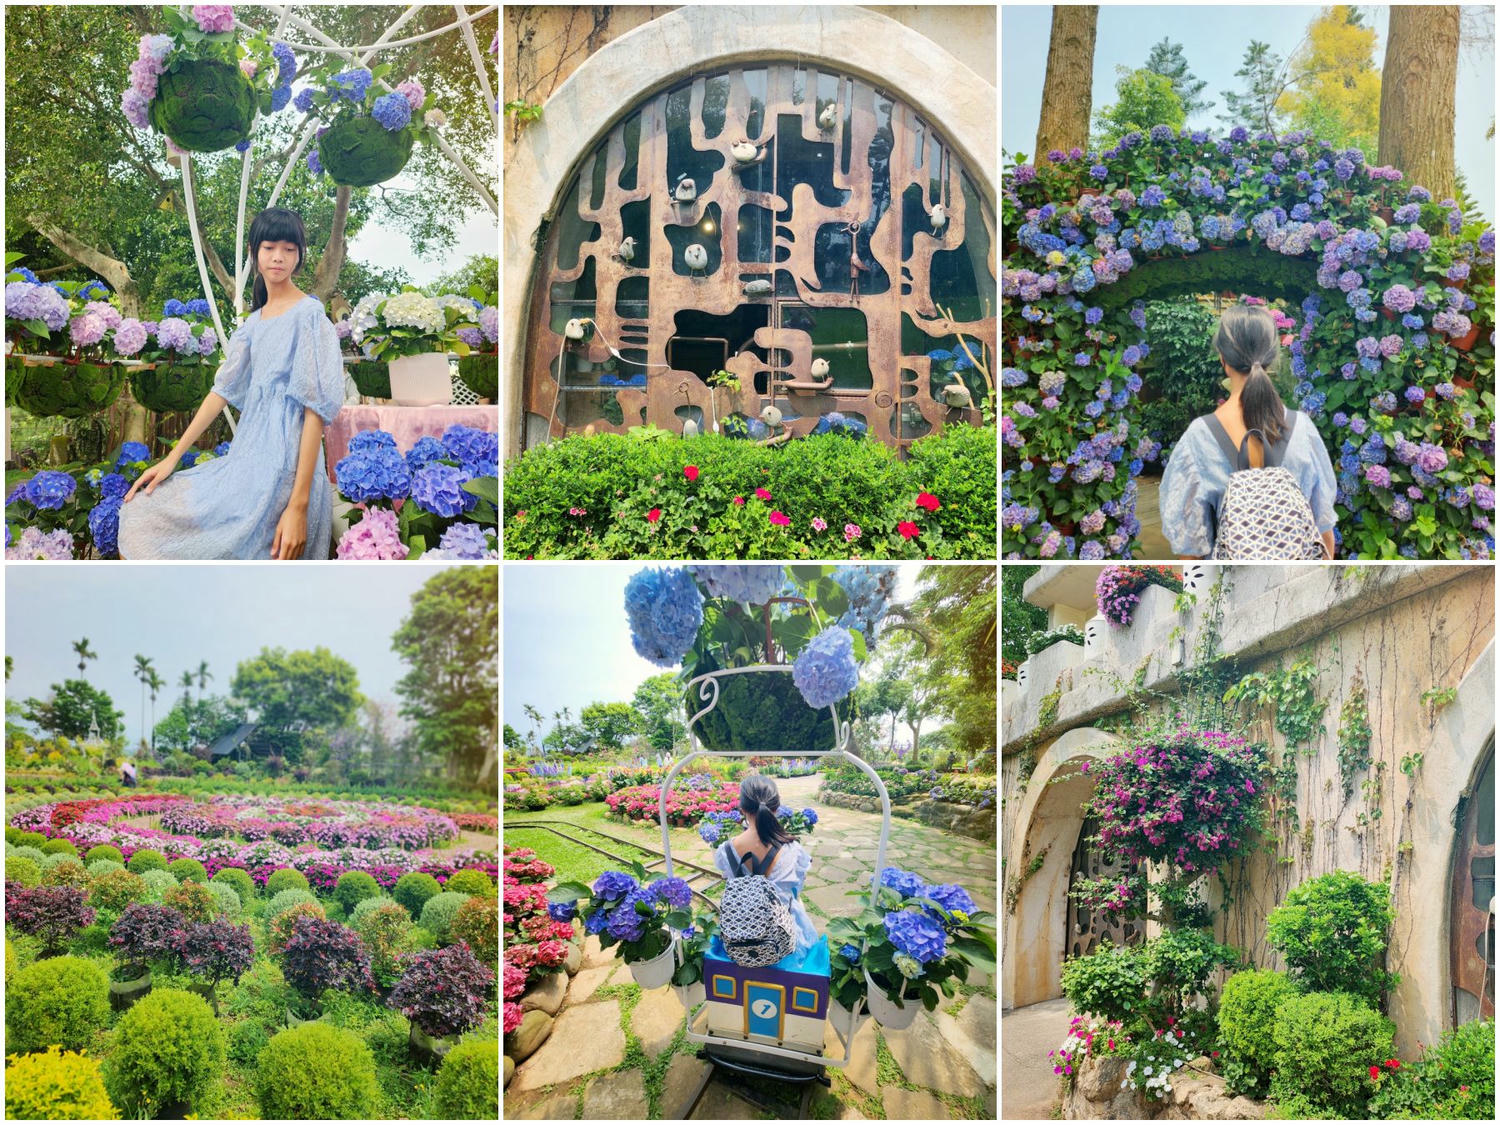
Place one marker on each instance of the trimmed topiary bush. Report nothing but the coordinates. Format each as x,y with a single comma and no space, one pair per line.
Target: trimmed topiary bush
22,871
168,1049
188,871
194,901
467,881
61,870
104,851
240,880
147,859
61,1000
58,846
443,992
280,928
98,867
413,890
53,914
26,839
34,854
115,890
228,900
1325,1044
365,905
1331,933
477,923
385,927
467,1082
283,901
285,879
215,951
158,882
204,105
316,1071
439,912
353,887
1247,1023
56,1085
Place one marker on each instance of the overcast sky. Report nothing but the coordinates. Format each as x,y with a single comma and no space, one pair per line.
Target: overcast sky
1214,42
178,615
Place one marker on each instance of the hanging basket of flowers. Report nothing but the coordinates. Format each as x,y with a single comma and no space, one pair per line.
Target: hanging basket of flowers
360,152
368,129
480,371
69,390
180,364
69,334
200,86
372,377
168,387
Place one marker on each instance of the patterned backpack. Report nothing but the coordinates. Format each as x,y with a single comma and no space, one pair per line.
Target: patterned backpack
754,925
1263,514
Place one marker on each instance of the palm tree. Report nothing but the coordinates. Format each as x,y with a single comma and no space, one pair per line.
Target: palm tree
186,683
203,675
155,683
143,668
85,654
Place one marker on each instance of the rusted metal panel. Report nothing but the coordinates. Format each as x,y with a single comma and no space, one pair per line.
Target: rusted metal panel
1472,925
1088,930
899,383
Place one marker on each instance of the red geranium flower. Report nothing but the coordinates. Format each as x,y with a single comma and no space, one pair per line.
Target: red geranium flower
1393,1064
691,472
928,500
1374,1072
739,500
653,515
762,494
780,520
908,529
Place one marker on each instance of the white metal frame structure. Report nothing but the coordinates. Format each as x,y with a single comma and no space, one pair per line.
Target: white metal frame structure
708,692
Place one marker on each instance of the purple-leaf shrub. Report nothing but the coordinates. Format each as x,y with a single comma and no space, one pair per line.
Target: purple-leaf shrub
143,932
321,954
216,950
443,991
53,914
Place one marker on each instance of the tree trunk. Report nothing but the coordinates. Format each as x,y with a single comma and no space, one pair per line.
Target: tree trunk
1067,95
326,280
1417,87
114,271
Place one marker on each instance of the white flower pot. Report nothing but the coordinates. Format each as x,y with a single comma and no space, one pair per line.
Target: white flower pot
844,1021
888,1012
1093,635
657,971
1023,673
1198,578
421,380
690,995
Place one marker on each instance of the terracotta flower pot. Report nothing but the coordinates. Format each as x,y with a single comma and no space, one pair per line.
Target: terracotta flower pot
124,993
1467,340
1386,214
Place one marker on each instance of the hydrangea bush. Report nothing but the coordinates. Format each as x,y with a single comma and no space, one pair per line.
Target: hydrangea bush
1392,359
622,908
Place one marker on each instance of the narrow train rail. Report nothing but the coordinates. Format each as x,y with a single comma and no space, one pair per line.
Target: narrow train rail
658,859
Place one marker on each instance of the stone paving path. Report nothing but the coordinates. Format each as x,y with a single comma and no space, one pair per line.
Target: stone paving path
618,1052
1031,1089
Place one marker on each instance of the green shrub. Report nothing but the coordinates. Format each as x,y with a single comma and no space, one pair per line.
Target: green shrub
228,900
285,879
194,901
168,1048
56,1085
478,923
1454,1080
188,871
58,846
1178,965
1247,1023
26,839
158,882
104,851
316,1071
63,870
115,890
413,890
468,1081
385,927
1325,1044
354,886
36,855
283,901
1331,933
61,1000
958,467
147,859
439,912
247,1039
1109,984
98,867
467,881
240,880
19,869
364,906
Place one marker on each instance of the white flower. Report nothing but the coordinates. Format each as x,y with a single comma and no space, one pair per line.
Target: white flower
413,310
1148,1070
363,318
435,118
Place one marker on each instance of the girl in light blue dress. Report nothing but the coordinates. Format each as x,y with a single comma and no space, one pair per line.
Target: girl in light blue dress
1197,474
759,800
269,497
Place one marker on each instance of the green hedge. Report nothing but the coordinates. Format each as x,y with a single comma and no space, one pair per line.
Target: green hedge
617,480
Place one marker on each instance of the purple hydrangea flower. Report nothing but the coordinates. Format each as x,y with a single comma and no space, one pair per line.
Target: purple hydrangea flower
1378,475
393,111
825,671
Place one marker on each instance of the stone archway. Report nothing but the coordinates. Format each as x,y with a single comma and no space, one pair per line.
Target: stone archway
858,41
1046,826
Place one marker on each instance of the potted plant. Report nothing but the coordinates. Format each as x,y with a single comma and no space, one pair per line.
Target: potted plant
413,333
692,944
480,370
178,370
368,128
143,933
321,955
213,951
910,942
64,329
623,909
371,376
444,993
200,85
729,383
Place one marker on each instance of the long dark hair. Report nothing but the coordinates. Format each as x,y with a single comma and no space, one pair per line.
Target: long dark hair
274,224
1247,342
759,801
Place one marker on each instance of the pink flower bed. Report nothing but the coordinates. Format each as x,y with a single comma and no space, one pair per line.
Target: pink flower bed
685,807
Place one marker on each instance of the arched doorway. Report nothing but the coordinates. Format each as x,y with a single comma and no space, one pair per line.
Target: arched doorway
1087,929
1472,902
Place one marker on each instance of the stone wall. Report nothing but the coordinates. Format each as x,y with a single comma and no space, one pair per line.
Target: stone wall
1097,1092
1393,631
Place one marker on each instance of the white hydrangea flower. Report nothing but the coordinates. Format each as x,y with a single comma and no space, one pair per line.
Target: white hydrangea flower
363,318
413,310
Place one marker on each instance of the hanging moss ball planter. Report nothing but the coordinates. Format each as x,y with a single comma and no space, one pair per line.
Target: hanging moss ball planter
372,377
360,152
760,712
204,105
67,390
481,374
14,370
165,388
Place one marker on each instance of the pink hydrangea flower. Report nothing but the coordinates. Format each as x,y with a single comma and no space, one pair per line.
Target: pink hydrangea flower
376,536
412,91
214,17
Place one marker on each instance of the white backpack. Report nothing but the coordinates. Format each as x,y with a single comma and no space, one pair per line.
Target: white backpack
754,925
1263,514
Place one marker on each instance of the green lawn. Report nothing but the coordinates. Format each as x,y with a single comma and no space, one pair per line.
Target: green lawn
575,863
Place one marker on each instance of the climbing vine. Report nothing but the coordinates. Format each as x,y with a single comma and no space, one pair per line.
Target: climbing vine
1299,713
1013,891
1354,736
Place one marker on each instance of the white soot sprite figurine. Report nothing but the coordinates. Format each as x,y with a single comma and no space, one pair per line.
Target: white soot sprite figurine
626,252
686,190
697,260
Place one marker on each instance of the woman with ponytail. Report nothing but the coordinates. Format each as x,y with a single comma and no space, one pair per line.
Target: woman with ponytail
1254,420
269,496
759,800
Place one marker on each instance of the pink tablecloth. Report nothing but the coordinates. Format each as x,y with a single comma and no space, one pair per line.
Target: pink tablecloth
407,424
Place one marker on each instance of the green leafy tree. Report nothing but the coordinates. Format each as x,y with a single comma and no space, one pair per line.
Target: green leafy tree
1263,81
1335,86
1019,619
884,697
659,701
450,643
294,694
511,738
610,724
198,722
1166,59
481,271
957,605
1145,99
71,708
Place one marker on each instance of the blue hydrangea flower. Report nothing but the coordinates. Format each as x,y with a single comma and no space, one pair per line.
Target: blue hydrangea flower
916,935
304,100
393,111
904,883
665,610
825,671
673,891
849,953
104,526
625,923
709,832
562,911
810,816
952,898
50,490
427,450
351,85
465,541
281,97
614,885
130,453
869,590
476,450
112,486
596,922
439,489
753,584
222,449
314,162
286,63
373,472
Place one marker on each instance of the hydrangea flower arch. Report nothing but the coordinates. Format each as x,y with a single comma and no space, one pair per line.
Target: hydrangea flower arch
1394,293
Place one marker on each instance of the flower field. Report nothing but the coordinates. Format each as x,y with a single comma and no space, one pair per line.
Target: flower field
296,955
